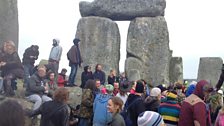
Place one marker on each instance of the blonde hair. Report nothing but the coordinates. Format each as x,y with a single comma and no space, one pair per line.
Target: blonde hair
11,44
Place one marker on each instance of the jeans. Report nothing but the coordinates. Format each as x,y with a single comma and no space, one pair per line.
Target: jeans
74,68
84,122
28,70
38,100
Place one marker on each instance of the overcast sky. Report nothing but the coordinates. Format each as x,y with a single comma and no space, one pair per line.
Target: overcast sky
196,28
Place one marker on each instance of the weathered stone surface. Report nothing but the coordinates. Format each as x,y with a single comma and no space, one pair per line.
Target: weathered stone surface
134,75
8,21
100,43
210,69
123,9
176,69
148,49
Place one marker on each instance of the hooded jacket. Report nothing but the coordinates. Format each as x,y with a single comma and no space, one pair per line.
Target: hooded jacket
30,52
53,113
86,76
194,108
101,115
56,51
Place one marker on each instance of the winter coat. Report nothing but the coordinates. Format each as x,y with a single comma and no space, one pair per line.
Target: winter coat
99,75
85,76
13,65
61,80
74,55
194,108
86,108
137,107
35,85
101,115
53,113
152,104
27,59
113,79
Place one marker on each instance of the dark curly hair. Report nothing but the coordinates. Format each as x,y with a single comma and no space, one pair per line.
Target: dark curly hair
61,95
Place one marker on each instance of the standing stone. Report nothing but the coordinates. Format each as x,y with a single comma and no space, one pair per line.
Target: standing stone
100,42
210,69
8,21
123,9
176,70
148,49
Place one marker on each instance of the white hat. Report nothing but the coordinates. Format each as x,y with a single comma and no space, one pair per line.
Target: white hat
155,92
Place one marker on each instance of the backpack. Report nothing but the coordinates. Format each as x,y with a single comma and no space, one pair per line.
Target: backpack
126,114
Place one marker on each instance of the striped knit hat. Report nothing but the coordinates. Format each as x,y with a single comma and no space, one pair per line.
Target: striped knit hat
150,118
171,95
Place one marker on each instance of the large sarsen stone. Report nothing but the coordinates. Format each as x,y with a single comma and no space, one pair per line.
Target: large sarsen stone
8,21
123,9
100,42
148,49
210,69
176,69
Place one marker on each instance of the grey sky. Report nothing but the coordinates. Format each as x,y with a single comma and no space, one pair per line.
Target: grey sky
195,28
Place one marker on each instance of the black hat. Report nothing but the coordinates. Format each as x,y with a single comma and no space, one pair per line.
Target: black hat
139,87
125,86
76,40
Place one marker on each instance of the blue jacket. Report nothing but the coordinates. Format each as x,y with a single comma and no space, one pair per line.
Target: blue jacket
101,115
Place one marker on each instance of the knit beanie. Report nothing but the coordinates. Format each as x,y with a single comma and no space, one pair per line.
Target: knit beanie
155,92
139,87
171,96
150,118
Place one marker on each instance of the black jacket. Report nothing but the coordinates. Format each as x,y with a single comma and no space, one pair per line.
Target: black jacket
152,104
30,52
53,113
137,107
85,76
99,75
35,85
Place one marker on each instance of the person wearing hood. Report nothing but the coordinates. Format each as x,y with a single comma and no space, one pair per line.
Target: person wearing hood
56,112
102,117
55,56
194,111
75,60
29,56
99,74
86,75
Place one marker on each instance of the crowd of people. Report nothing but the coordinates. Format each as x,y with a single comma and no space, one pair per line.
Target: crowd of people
114,101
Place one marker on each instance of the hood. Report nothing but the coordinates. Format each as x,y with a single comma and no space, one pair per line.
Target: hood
190,90
199,88
102,98
56,42
86,68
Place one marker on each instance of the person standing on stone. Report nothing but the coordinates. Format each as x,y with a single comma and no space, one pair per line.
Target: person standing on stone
29,56
75,61
11,67
221,79
55,56
99,74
